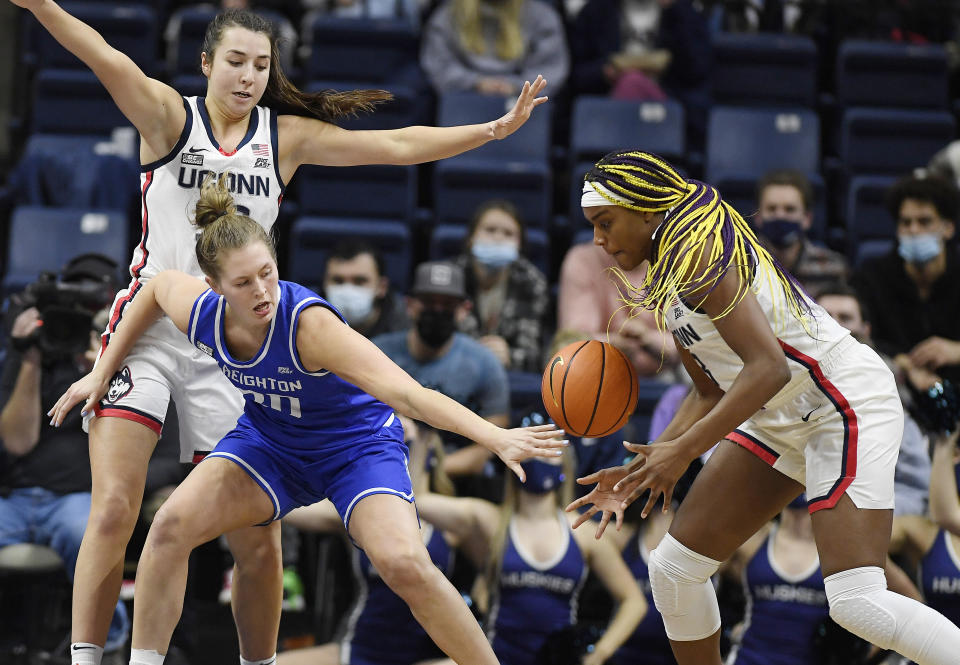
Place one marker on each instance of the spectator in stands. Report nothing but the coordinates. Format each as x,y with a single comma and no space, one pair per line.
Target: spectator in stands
45,482
440,358
913,292
644,49
493,46
286,33
912,474
355,283
783,221
589,303
408,10
509,294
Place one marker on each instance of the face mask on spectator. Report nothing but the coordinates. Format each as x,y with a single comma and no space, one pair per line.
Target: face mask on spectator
542,477
436,326
354,302
782,233
919,248
494,255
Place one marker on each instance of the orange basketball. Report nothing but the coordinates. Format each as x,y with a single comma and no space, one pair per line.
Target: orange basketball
589,388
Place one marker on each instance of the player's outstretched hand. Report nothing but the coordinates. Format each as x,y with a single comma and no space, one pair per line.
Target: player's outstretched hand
521,443
657,468
604,497
518,115
90,388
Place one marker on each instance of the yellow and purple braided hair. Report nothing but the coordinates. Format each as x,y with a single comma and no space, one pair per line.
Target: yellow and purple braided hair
645,182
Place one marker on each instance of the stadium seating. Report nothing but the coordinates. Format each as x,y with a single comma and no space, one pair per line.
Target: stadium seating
312,238
73,102
44,239
359,191
764,69
891,141
361,49
602,125
876,73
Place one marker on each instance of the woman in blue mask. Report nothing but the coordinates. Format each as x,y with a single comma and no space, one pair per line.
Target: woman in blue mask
509,293
535,565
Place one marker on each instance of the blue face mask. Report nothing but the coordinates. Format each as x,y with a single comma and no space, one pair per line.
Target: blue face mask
542,477
494,255
782,233
354,302
919,248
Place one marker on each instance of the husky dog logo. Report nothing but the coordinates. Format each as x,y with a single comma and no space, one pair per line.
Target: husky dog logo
120,385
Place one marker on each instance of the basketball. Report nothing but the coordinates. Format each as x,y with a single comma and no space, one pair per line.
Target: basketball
589,388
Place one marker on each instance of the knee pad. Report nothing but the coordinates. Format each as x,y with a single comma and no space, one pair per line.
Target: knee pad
682,591
858,602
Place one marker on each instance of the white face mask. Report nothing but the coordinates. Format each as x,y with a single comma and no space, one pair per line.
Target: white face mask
354,302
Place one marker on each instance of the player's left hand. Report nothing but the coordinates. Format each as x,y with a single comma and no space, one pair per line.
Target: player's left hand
657,467
521,443
88,389
518,115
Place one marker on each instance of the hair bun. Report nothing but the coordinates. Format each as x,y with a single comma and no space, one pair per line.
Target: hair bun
215,201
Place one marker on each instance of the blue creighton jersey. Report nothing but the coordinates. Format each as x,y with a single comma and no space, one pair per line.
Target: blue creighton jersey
648,645
534,599
783,612
381,629
940,577
295,408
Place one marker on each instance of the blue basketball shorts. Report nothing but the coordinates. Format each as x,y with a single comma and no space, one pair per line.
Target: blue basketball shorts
343,472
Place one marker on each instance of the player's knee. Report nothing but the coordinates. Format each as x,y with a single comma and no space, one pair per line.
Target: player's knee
682,591
257,555
856,603
169,530
405,568
113,517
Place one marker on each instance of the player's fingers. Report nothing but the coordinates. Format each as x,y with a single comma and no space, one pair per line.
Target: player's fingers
517,469
585,517
604,521
540,100
589,480
619,515
667,499
651,500
634,476
639,448
577,503
548,428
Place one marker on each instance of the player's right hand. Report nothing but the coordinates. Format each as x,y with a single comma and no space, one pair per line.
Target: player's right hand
90,388
521,443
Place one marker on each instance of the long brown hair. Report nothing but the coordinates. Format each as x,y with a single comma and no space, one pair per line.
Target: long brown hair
281,95
221,227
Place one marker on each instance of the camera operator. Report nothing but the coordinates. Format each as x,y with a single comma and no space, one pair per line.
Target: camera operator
45,482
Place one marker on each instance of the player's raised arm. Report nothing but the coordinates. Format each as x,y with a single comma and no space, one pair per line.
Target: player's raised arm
155,109
172,293
315,142
325,342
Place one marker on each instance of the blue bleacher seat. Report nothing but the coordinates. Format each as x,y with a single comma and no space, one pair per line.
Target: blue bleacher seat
892,141
130,28
764,69
359,191
745,142
524,396
869,249
602,125
312,238
67,171
44,239
361,49
408,106
190,85
189,42
73,102
447,242
875,73
867,217
516,169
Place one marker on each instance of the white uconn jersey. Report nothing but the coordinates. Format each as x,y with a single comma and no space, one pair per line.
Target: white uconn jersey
695,331
170,188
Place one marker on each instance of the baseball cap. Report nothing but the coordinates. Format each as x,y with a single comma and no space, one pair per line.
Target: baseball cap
439,278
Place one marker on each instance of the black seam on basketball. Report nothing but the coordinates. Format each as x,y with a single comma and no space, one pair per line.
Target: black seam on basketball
563,386
627,405
596,400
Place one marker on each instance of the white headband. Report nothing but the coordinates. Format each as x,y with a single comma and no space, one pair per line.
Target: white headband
595,194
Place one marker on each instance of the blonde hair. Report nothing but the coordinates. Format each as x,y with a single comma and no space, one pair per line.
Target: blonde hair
468,22
695,215
221,227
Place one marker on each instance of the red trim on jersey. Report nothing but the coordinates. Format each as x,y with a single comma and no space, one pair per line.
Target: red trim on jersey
758,450
117,314
850,429
227,154
129,415
135,270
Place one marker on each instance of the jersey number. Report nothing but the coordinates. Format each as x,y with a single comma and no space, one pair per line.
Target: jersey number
276,402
